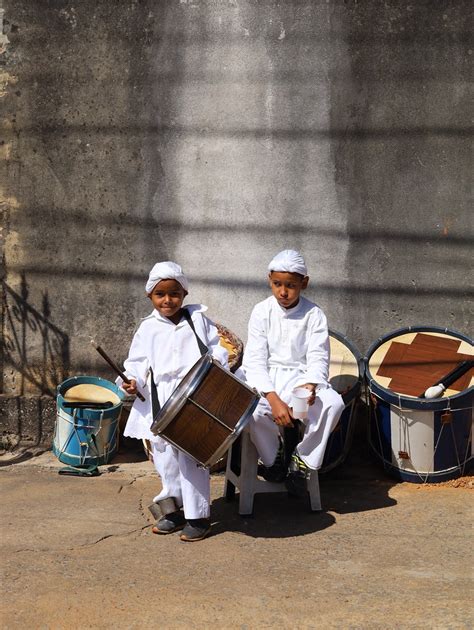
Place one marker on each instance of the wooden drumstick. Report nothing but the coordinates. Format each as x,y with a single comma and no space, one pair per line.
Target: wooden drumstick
115,367
436,390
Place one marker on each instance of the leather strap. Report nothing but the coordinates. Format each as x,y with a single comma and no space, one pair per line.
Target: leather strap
202,346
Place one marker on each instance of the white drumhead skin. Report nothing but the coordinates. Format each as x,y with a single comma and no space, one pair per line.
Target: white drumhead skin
88,392
378,356
343,367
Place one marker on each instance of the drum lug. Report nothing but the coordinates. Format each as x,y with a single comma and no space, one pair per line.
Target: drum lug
403,455
446,417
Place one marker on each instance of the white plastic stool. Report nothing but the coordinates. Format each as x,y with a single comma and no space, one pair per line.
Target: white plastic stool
249,484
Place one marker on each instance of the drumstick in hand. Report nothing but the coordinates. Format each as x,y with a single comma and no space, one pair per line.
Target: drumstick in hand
115,367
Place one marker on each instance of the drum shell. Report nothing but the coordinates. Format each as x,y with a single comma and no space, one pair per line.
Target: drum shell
340,440
417,439
85,437
206,412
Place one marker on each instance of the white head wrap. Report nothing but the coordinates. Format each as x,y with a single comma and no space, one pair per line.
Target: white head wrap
290,261
166,270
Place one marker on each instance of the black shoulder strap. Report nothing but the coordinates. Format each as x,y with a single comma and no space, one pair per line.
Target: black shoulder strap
155,403
202,346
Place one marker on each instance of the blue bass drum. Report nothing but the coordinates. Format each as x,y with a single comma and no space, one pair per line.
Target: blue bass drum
418,439
345,376
88,412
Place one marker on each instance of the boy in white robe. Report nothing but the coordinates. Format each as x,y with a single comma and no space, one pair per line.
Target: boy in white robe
288,347
166,344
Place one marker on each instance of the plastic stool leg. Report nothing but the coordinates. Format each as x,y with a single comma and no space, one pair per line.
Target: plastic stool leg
248,475
314,494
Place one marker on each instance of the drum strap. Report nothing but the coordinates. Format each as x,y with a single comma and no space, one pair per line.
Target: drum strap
155,403
202,346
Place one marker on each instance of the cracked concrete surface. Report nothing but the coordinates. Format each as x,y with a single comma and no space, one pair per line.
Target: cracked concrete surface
79,552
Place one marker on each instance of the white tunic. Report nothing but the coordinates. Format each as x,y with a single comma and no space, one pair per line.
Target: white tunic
170,350
287,348
286,344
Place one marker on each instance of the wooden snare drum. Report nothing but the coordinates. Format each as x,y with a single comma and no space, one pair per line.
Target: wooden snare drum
206,412
420,439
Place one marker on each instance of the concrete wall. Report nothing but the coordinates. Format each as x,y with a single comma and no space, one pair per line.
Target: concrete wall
215,133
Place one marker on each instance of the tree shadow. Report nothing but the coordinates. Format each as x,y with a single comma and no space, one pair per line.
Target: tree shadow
31,344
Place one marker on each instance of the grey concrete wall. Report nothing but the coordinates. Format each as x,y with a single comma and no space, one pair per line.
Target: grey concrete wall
216,133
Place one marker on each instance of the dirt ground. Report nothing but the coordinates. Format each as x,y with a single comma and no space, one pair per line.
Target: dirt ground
79,553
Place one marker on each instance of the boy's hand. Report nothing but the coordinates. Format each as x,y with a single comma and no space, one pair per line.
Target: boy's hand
312,388
130,388
280,411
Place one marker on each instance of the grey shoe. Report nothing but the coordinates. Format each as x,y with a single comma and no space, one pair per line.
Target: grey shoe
170,523
196,529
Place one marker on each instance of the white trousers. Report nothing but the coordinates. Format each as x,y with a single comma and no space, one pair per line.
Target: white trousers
184,480
322,418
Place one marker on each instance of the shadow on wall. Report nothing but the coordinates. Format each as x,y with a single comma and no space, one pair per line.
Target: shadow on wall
34,348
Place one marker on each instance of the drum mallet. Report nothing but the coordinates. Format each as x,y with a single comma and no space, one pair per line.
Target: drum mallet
440,386
115,367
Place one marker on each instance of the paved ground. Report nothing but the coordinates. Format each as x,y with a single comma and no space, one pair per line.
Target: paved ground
79,553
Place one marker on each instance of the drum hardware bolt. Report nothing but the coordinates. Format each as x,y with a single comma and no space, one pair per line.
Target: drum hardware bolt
84,443
403,455
447,417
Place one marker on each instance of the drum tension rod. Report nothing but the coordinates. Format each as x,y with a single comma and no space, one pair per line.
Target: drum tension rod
208,413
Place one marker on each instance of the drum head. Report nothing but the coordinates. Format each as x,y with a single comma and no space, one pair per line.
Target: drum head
88,392
344,374
410,362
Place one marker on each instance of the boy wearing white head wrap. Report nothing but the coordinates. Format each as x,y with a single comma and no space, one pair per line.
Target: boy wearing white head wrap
166,347
288,347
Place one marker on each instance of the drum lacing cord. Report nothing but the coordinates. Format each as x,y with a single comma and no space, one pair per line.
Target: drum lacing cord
447,409
91,442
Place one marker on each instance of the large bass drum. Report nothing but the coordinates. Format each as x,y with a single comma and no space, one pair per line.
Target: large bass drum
418,439
345,376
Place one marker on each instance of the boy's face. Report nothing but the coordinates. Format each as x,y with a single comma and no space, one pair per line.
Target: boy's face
167,297
286,287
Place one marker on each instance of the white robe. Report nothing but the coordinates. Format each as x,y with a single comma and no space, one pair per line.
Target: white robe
170,350
287,348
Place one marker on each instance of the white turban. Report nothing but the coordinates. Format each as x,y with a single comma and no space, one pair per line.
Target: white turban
290,261
166,271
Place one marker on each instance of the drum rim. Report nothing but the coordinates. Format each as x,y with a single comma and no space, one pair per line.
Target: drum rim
391,397
78,380
355,389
